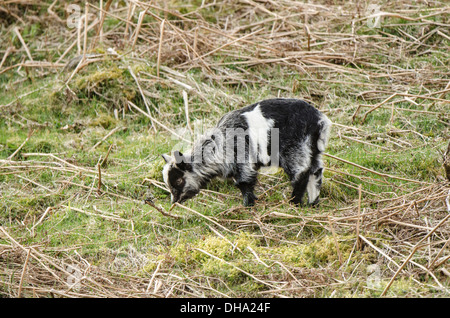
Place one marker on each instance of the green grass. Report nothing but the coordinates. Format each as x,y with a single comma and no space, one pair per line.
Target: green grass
135,155
49,192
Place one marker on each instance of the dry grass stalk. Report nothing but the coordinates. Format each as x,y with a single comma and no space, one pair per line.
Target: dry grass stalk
358,242
150,283
100,34
102,21
161,38
5,55
80,21
138,28
141,92
86,18
157,122
99,187
112,132
186,111
41,218
19,293
30,133
19,36
160,209
335,240
131,8
105,160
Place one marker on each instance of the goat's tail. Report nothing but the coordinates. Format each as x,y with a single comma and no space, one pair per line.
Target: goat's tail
324,133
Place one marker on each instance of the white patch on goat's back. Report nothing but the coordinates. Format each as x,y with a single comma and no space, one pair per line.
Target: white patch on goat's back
259,127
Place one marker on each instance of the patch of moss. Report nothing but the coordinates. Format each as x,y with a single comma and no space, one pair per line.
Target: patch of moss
312,254
227,255
41,146
109,82
155,170
232,257
99,78
104,120
28,206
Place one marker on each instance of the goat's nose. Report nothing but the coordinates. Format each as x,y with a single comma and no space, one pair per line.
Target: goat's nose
174,199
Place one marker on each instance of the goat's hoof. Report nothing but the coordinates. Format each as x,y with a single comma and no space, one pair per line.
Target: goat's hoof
315,204
295,202
249,199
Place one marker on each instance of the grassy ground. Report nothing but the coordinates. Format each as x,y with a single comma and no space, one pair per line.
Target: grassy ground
80,147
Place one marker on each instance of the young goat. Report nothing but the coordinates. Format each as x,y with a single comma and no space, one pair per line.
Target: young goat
288,133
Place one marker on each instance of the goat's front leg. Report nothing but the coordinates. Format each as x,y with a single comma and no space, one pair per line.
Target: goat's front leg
313,188
246,181
247,192
299,188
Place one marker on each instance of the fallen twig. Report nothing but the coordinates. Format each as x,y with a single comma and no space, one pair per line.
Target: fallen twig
150,202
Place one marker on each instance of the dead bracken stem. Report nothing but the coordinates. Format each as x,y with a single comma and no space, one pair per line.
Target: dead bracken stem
160,209
19,293
99,187
161,38
30,133
335,240
86,18
102,21
358,240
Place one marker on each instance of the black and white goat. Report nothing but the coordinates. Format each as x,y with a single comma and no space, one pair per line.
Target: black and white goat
288,133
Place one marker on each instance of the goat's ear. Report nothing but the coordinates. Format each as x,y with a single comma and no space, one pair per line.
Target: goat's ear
178,156
181,161
166,158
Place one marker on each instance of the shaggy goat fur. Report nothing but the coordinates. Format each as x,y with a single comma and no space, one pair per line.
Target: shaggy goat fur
288,133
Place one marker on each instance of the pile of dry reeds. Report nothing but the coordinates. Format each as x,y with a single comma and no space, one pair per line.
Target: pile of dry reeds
247,33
